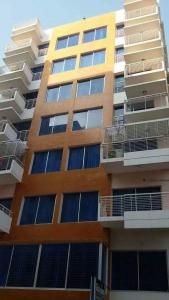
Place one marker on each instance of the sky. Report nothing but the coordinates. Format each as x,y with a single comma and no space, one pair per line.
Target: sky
57,12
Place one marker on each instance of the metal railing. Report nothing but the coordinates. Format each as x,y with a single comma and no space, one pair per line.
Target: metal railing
116,150
140,12
142,37
146,102
144,66
119,58
12,68
119,86
6,162
5,210
116,205
12,148
42,52
4,123
23,135
30,103
18,45
37,76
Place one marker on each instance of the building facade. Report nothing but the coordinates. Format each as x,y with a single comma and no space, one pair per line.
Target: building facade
84,158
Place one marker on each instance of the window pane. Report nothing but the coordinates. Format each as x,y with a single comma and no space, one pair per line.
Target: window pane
65,91
82,265
54,160
94,118
52,94
73,40
23,265
45,209
76,158
83,88
92,156
5,255
86,60
97,85
70,64
79,120
101,33
99,57
70,208
88,36
88,206
29,210
62,43
124,271
60,123
52,267
39,162
153,271
57,66
45,127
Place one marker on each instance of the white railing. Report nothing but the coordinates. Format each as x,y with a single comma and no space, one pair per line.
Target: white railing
12,68
142,37
116,205
144,66
23,135
42,52
12,148
6,162
25,24
37,76
18,45
4,123
30,103
146,102
5,210
140,12
119,58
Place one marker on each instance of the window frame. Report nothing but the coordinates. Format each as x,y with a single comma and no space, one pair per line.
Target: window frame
94,30
92,53
33,156
67,37
59,88
90,86
53,116
64,62
87,118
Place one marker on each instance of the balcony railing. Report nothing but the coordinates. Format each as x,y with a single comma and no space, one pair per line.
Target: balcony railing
5,210
142,37
30,103
12,148
37,76
23,135
11,68
4,123
141,12
113,206
119,87
6,162
146,102
144,66
18,45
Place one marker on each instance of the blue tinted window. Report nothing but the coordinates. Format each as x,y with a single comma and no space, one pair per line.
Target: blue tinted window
90,87
52,267
29,210
97,85
87,119
62,43
6,202
83,264
54,124
23,265
58,66
45,127
86,60
54,160
89,36
65,91
88,207
92,156
69,63
95,34
83,88
5,255
93,58
73,40
76,158
52,94
66,64
99,57
39,162
101,33
70,208
48,161
79,120
67,41
59,93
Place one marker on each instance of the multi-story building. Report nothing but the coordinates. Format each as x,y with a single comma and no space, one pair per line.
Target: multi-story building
84,158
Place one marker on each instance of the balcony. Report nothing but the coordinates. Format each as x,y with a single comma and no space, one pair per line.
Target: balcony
11,156
146,108
133,4
5,219
30,29
141,15
145,76
12,105
17,75
135,211
7,131
136,147
24,50
23,135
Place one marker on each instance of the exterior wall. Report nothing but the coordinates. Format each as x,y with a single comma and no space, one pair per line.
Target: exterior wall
65,181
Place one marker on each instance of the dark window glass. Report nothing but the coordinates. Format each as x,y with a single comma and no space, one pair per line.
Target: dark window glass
29,210
62,43
45,209
87,119
83,88
45,127
95,34
52,94
54,160
83,264
92,156
76,158
86,60
6,202
52,267
39,162
48,161
101,33
23,265
153,271
88,206
70,208
97,85
5,255
67,41
89,36
73,40
59,93
124,271
65,91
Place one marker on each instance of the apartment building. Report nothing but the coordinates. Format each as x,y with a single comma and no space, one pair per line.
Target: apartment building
84,158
